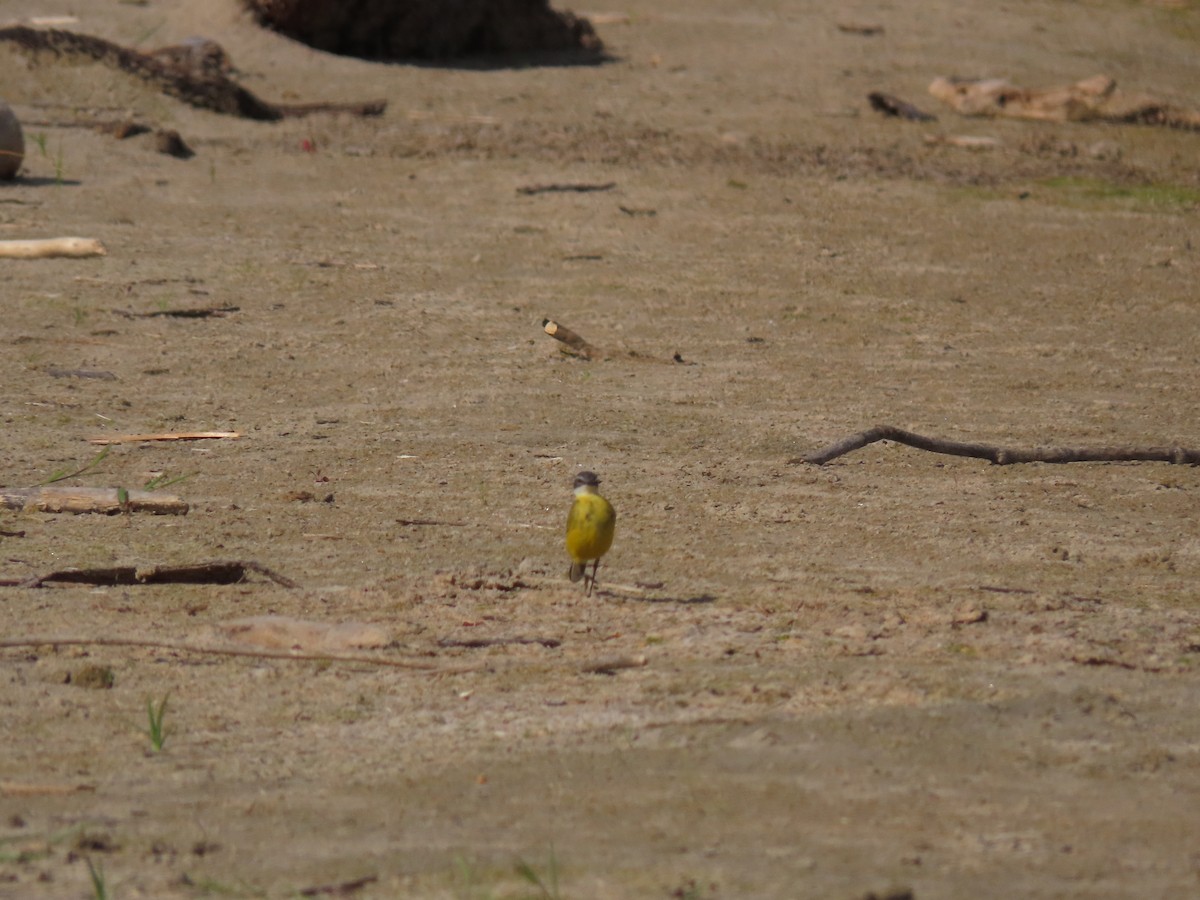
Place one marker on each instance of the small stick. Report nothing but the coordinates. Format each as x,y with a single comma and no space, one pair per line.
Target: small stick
570,338
73,247
203,312
610,664
167,436
476,643
531,189
901,109
1001,456
107,501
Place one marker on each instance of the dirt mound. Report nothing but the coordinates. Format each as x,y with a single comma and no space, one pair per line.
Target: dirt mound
428,29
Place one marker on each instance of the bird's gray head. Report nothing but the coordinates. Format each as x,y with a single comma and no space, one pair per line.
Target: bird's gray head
586,479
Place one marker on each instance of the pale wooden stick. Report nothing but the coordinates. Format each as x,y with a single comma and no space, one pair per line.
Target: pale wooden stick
570,338
166,436
74,247
107,501
1001,456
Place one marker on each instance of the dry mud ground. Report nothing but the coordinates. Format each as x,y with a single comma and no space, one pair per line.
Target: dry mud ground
900,670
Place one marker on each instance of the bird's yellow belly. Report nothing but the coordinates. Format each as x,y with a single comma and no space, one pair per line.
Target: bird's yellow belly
590,528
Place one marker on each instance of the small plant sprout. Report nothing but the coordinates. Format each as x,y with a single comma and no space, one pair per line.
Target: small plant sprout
99,887
63,474
547,891
161,480
156,714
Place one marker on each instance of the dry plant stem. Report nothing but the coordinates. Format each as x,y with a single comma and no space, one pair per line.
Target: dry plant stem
73,247
432,668
167,436
1001,456
570,338
106,501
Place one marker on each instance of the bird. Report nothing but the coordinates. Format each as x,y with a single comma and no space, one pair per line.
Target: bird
590,527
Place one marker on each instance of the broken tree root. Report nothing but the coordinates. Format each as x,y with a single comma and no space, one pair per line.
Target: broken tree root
1001,456
206,87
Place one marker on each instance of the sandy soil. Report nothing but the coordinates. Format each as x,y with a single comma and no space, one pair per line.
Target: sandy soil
897,671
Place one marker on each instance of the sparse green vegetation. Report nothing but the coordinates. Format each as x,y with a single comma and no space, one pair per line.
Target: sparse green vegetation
156,715
547,890
63,474
1074,190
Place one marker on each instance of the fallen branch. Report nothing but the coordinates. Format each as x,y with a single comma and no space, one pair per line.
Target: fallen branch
571,339
106,501
1001,456
71,247
185,75
180,646
165,436
220,572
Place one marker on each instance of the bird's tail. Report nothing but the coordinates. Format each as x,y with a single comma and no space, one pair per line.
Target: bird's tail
577,570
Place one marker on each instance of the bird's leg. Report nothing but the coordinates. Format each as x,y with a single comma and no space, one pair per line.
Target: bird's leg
592,583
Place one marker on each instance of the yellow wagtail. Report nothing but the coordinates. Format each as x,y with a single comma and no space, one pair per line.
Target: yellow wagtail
590,528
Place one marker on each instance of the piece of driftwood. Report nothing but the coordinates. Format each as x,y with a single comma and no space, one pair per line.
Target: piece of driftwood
901,109
571,339
531,189
106,501
70,247
1001,456
1093,99
178,75
219,572
165,436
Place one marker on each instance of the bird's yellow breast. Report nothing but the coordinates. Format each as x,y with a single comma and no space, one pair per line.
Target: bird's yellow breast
590,527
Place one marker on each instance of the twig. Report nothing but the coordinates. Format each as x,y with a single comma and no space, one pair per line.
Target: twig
570,338
236,651
1001,456
106,501
342,889
199,573
203,312
901,109
475,643
98,374
531,189
72,247
166,436
609,664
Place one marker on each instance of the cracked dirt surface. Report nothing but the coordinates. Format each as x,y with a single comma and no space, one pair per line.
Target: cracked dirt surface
898,670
